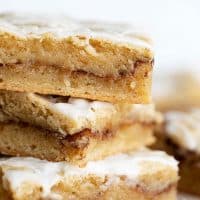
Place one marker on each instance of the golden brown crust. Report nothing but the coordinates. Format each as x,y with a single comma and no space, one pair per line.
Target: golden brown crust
24,140
39,79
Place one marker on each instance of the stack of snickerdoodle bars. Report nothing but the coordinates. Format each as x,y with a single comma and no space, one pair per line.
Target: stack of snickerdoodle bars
73,114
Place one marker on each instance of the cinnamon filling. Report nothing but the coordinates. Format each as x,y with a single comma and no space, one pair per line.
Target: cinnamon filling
120,72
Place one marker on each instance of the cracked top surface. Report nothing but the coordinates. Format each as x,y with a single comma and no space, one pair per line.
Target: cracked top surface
61,26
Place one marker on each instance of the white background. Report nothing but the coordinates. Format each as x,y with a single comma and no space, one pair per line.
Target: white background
173,24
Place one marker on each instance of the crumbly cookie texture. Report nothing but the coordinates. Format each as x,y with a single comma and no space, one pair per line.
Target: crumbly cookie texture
82,59
24,140
69,116
143,175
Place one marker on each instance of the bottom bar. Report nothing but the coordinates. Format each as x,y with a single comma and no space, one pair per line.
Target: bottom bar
142,175
180,137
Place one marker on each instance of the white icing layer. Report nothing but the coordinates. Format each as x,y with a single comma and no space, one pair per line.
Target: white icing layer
83,110
96,115
84,113
63,27
46,174
184,129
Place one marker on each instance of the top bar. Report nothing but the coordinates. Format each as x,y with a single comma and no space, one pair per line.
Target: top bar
57,55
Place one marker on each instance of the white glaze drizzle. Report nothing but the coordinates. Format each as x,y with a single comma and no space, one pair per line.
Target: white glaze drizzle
46,174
